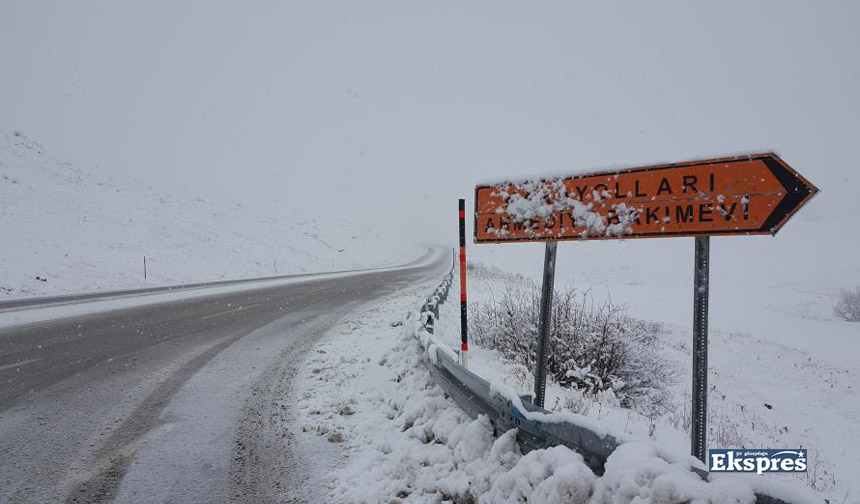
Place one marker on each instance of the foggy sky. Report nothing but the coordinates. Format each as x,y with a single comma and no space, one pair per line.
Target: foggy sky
387,112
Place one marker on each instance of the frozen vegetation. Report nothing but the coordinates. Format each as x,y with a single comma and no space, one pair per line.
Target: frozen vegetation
848,306
594,347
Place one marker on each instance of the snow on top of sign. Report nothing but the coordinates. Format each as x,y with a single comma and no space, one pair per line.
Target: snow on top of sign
538,200
552,176
610,170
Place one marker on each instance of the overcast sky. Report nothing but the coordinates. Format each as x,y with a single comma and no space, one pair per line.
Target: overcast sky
387,112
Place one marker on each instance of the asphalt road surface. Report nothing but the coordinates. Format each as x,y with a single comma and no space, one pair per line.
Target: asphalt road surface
168,402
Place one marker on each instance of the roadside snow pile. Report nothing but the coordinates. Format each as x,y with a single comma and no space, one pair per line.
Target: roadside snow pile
635,473
371,427
68,229
433,453
649,441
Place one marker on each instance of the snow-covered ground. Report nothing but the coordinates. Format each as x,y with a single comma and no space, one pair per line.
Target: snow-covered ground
374,428
65,228
768,392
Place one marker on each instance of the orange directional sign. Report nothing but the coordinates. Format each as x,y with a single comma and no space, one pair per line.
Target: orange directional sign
753,194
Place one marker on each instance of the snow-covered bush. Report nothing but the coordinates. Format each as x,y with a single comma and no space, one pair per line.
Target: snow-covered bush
594,348
848,306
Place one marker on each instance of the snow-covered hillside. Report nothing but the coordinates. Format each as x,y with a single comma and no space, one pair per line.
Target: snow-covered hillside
65,228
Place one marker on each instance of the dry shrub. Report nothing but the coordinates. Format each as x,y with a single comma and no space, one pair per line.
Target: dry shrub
592,348
848,306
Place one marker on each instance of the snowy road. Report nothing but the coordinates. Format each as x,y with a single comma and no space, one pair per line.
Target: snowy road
162,402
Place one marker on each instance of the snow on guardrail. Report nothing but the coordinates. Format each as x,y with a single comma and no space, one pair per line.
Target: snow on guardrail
618,462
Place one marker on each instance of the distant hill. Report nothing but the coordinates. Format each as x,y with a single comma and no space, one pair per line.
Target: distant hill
65,228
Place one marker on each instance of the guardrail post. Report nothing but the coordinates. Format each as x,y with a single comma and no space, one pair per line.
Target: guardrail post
545,318
699,430
428,324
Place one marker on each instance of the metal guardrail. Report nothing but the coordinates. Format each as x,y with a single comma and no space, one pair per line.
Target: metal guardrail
430,309
475,396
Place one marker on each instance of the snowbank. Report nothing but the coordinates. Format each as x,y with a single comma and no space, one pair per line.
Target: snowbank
376,429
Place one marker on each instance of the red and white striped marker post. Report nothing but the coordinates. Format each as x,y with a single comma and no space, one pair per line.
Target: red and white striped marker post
464,339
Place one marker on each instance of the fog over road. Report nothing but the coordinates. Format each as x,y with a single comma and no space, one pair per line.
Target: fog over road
168,402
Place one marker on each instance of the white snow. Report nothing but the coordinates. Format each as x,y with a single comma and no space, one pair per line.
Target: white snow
66,228
538,200
387,434
811,392
536,176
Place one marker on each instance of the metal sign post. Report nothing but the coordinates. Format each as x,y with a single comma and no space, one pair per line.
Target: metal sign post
545,319
699,431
